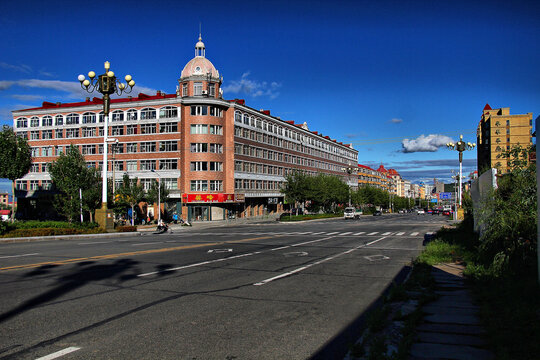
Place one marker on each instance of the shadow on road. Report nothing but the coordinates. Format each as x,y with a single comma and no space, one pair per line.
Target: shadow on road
337,347
84,274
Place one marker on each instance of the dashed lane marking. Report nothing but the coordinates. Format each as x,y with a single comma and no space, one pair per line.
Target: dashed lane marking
60,353
14,256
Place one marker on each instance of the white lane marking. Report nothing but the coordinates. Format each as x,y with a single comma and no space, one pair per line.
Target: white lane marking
374,233
280,276
94,242
400,233
228,258
304,233
59,353
345,233
360,233
14,256
333,233
318,233
217,251
414,234
386,233
149,243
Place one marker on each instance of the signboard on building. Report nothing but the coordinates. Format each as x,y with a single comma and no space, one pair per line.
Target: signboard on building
273,200
207,198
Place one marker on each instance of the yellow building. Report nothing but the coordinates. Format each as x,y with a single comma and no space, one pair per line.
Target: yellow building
498,131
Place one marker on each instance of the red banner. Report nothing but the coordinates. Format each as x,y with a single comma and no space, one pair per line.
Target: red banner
207,198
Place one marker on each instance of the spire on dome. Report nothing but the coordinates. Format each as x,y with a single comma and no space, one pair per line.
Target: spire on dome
200,50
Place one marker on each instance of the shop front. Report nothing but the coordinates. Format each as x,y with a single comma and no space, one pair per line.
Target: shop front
210,207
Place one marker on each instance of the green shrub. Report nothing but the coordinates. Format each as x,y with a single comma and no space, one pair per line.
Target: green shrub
5,227
36,224
36,232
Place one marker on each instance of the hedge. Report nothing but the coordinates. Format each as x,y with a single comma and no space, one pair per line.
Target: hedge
49,232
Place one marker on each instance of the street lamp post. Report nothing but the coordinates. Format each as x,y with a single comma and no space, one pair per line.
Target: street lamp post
349,170
158,196
106,84
460,147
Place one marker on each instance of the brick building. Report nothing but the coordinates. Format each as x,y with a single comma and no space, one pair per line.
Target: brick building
217,157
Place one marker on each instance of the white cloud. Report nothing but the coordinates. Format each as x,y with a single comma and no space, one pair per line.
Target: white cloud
430,143
396,121
20,68
252,87
26,97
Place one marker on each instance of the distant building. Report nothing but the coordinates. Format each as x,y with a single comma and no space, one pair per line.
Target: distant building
4,199
498,131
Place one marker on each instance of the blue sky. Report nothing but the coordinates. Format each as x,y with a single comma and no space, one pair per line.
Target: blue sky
370,73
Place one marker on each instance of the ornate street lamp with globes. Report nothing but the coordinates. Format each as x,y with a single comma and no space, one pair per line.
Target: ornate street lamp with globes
106,84
460,147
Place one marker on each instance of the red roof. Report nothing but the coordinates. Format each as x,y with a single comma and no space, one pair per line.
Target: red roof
382,169
487,107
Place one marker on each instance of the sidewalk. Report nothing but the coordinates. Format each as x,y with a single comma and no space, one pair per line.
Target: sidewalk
450,328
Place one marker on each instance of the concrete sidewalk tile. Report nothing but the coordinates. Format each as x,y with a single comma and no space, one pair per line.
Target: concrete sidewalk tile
452,328
452,319
454,339
445,351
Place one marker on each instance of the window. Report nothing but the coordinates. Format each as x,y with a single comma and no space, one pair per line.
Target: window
199,185
198,147
131,130
47,151
148,164
119,165
184,89
88,149
34,168
59,120
148,147
100,117
72,119
72,133
148,128
216,166
47,121
238,117
117,115
168,127
199,129
22,122
117,130
199,166
34,121
168,164
216,185
199,110
216,129
131,114
21,185
168,112
170,183
214,111
197,88
246,119
212,89
34,135
88,132
34,184
89,118
148,113
216,148
59,150
168,146
46,184
131,147
131,165
46,134
146,183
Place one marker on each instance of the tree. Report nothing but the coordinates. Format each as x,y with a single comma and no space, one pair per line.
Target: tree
69,173
296,187
152,194
15,159
130,193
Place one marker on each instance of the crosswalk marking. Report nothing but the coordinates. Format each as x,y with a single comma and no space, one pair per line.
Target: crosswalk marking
310,233
374,233
346,233
400,233
359,233
414,234
386,233
333,233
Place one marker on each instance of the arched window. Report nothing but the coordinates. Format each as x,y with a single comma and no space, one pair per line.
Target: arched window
238,116
58,120
131,114
47,121
72,119
34,121
148,113
246,119
258,123
22,122
117,115
89,118
252,121
168,112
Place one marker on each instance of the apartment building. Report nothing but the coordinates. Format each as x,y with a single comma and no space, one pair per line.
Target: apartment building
217,157
499,131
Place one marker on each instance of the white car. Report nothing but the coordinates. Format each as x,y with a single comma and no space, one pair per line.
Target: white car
420,212
352,213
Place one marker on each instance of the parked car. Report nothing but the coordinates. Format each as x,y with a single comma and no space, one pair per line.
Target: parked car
420,212
447,212
377,213
352,213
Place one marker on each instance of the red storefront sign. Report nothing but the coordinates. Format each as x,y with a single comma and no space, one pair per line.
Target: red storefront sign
208,198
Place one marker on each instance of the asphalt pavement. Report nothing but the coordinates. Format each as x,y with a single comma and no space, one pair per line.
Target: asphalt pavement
264,290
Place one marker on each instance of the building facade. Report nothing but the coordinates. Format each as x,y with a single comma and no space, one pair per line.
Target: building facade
217,157
499,131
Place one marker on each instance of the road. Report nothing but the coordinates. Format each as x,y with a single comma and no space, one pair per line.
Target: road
258,291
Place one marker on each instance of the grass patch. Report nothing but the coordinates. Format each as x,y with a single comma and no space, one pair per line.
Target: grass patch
439,251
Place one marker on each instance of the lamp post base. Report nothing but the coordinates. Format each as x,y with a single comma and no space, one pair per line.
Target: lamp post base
105,218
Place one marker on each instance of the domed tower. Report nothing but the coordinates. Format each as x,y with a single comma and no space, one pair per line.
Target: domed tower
199,77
